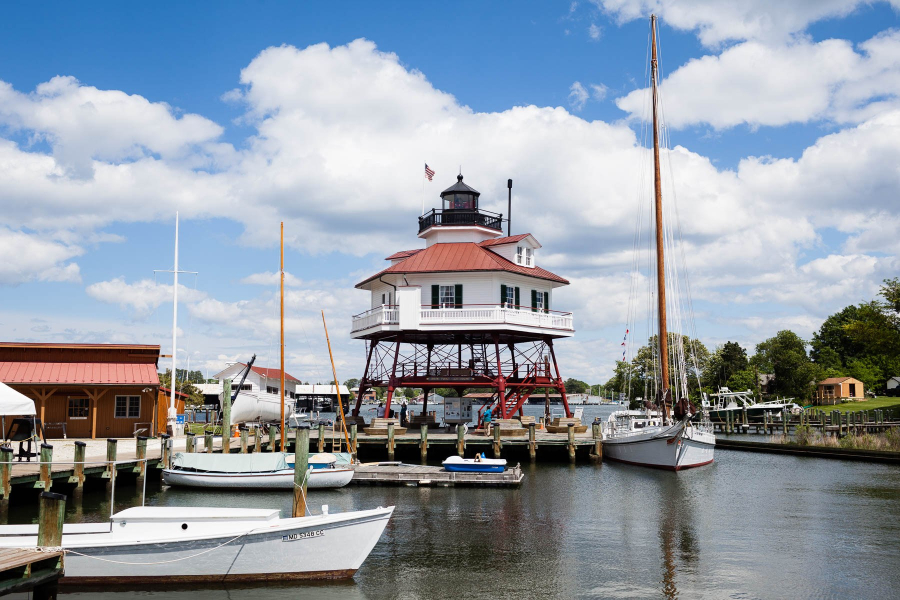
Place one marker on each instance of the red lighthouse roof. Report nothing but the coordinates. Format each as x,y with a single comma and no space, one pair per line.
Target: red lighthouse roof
459,257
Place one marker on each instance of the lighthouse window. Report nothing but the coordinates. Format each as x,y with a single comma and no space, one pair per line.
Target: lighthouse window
448,296
524,256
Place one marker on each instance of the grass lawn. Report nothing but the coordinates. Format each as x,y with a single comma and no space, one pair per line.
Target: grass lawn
882,402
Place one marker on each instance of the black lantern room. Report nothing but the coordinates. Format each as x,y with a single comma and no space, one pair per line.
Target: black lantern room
459,196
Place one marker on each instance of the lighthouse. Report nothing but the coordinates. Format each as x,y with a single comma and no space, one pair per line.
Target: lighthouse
472,309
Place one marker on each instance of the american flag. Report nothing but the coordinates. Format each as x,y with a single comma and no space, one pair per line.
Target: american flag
429,172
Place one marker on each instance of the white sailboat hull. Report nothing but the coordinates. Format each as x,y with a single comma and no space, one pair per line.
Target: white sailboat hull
283,479
209,545
663,448
256,406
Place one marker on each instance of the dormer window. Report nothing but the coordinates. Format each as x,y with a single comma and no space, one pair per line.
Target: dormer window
524,256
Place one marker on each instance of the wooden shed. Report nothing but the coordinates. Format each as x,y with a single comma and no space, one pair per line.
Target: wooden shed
86,390
835,390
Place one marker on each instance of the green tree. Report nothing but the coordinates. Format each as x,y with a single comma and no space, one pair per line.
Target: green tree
351,383
795,374
745,379
195,398
575,386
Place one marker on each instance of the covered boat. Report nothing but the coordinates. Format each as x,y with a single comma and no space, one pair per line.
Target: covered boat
257,470
479,464
151,544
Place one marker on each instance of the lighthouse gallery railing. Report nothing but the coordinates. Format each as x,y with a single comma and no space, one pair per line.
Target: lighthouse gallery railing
476,314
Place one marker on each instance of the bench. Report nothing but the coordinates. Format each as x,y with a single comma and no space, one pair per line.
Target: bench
380,427
561,425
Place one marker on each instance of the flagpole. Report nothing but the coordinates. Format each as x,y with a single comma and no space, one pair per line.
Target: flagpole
423,191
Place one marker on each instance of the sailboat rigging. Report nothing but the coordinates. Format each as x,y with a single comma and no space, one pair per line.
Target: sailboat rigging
653,437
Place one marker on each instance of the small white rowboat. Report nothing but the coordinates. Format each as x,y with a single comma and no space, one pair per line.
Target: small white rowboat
259,471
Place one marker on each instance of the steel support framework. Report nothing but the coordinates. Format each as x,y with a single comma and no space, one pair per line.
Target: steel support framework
511,371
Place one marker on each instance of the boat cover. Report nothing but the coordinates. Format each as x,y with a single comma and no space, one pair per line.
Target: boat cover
263,462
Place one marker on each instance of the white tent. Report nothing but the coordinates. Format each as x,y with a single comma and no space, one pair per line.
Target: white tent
14,403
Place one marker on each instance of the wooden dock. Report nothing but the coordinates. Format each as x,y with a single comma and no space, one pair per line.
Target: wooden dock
400,474
29,569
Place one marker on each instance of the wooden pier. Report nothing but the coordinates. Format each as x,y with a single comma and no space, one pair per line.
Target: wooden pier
400,474
831,422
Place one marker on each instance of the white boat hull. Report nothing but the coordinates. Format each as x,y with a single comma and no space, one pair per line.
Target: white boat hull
282,480
194,549
663,448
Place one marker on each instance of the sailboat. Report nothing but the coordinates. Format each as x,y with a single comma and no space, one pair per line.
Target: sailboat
667,435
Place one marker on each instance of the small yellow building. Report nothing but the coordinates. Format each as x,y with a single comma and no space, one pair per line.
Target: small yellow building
835,390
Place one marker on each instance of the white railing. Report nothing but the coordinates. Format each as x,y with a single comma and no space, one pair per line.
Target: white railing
380,315
467,314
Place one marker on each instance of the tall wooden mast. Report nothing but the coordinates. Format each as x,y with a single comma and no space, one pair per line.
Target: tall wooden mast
283,435
660,243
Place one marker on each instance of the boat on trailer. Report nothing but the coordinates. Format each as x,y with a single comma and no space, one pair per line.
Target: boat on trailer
253,471
152,544
479,464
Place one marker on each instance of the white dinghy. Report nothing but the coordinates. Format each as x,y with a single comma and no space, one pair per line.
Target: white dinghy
269,470
207,545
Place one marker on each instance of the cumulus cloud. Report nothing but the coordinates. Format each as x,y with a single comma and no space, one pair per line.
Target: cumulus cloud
142,297
272,279
716,22
29,257
757,84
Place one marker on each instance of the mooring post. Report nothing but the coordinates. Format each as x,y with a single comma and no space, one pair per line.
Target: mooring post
746,419
111,444
226,416
189,442
532,441
460,439
598,440
390,442
257,439
245,440
165,451
208,442
571,442
272,443
784,421
353,450
78,468
423,442
46,464
497,442
6,456
51,516
320,446
301,465
140,454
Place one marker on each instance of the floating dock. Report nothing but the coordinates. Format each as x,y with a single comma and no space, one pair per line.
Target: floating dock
401,474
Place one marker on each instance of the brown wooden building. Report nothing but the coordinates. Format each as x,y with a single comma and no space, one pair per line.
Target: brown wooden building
835,390
86,390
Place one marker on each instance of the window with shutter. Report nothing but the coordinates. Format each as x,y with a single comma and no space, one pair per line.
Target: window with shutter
534,296
511,296
435,296
516,300
503,300
448,296
546,302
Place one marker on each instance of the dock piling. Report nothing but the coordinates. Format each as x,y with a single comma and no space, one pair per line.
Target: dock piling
257,439
140,454
208,442
597,455
51,516
532,441
46,464
353,428
111,446
390,442
245,439
320,447
189,442
571,442
784,421
423,442
272,444
6,456
497,443
165,451
301,465
226,416
460,439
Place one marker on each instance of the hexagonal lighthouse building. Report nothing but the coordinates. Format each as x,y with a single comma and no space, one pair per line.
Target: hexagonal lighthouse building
469,310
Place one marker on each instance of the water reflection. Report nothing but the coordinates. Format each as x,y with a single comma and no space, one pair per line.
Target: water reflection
676,531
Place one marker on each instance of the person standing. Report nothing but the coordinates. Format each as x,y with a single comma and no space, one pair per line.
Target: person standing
487,422
403,410
379,414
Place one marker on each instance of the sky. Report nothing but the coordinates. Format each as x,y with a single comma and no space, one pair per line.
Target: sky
783,121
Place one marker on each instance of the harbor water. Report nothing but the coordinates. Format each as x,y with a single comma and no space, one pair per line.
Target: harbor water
748,526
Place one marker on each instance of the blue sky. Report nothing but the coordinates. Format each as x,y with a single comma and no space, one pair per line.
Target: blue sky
787,185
